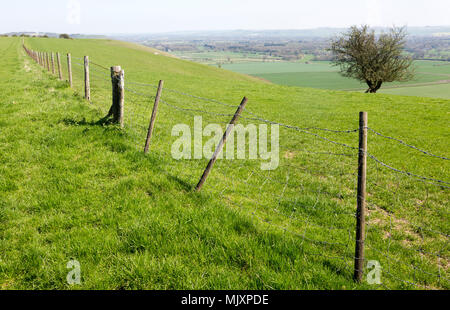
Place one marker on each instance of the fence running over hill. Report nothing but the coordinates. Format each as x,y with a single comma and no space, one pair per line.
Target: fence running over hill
316,207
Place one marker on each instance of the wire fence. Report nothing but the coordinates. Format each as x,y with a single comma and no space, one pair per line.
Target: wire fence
312,195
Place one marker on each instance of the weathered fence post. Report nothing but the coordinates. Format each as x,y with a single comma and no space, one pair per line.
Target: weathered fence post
48,62
69,69
153,118
221,144
87,85
118,95
361,199
58,60
53,62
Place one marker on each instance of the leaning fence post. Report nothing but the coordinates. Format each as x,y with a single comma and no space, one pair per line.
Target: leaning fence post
361,198
118,94
153,118
87,86
69,69
58,60
221,144
53,62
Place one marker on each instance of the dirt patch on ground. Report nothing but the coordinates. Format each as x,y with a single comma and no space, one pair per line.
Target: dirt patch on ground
289,155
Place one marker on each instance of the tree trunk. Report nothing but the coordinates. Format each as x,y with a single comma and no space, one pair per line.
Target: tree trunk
373,87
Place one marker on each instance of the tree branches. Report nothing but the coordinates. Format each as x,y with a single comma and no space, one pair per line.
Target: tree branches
372,59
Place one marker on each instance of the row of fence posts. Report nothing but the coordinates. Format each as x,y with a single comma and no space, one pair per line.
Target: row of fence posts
116,111
48,61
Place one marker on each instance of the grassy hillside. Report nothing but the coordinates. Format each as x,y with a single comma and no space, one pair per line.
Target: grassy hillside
74,188
322,75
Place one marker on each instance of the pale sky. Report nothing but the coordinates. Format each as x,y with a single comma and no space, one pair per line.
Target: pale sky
150,16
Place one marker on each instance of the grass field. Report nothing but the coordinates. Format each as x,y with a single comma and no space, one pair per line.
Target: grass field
324,76
74,188
214,58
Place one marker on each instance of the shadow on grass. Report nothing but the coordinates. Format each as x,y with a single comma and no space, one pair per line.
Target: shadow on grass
188,187
105,121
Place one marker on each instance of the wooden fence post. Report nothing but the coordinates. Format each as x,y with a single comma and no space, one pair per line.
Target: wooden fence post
87,85
58,60
69,69
118,94
153,118
361,199
221,144
48,61
53,62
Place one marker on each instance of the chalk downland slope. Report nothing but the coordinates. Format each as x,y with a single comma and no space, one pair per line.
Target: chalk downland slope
74,188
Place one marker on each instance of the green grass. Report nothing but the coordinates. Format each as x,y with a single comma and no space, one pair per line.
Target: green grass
214,57
322,80
72,188
436,91
323,75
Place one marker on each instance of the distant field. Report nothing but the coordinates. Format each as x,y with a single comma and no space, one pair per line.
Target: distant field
324,76
214,58
439,90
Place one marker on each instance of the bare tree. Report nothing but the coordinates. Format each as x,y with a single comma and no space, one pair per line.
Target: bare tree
372,59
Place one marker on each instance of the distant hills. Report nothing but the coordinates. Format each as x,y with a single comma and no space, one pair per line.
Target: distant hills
55,35
270,34
432,31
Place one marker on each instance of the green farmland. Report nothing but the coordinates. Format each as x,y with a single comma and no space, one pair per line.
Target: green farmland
214,58
74,187
432,77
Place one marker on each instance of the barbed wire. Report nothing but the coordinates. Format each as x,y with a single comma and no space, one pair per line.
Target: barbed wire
195,110
139,93
100,66
440,182
324,153
408,145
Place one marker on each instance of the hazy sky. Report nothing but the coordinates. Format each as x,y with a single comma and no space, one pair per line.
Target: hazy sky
135,16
